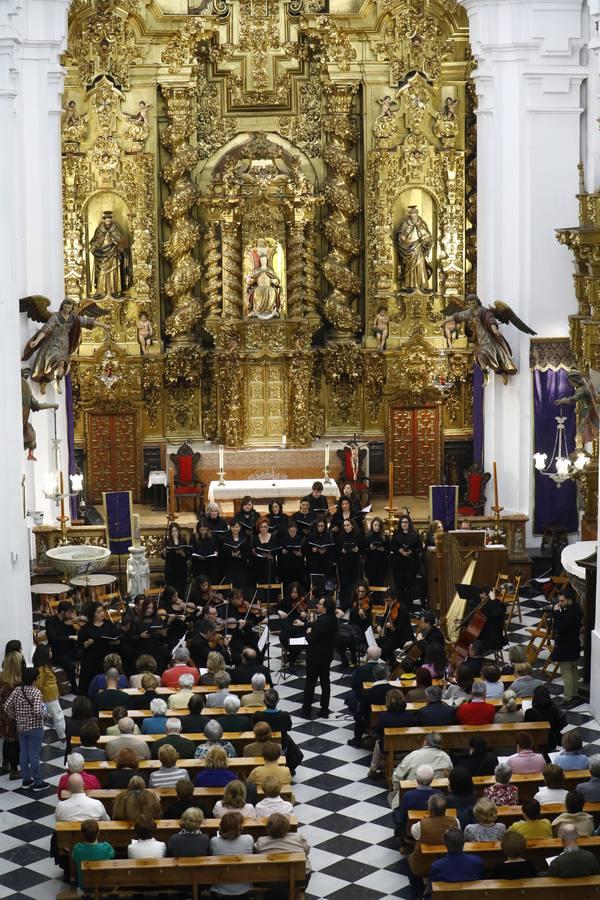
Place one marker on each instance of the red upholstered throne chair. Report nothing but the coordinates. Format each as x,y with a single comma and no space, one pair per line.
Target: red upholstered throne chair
360,486
186,477
473,500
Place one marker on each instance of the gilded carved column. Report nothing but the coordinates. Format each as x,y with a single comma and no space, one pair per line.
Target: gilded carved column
212,271
177,208
295,268
231,254
343,208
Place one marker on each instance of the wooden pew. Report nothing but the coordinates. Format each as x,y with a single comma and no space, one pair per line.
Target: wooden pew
491,852
207,796
105,718
239,739
238,689
377,709
120,833
527,785
241,765
508,815
401,740
405,686
528,888
195,871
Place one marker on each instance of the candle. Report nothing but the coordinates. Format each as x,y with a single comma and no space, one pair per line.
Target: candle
283,440
171,491
326,456
221,457
135,530
496,504
391,485
62,497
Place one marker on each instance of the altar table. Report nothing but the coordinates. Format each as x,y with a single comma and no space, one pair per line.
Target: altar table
262,489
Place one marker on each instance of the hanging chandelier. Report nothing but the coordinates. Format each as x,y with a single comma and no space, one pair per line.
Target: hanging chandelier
562,465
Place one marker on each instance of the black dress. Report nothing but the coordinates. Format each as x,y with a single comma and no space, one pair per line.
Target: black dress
405,568
92,657
176,560
154,644
264,560
235,554
277,523
348,547
318,553
319,654
205,557
290,561
248,521
376,561
304,522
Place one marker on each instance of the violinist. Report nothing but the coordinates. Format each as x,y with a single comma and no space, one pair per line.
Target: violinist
201,594
290,564
199,645
304,518
428,633
376,550
266,544
318,547
348,545
174,609
235,552
293,612
361,609
405,551
204,552
247,516
62,639
215,523
351,634
95,639
175,556
236,639
278,521
150,631
396,628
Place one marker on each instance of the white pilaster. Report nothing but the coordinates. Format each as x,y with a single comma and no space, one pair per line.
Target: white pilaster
529,80
32,37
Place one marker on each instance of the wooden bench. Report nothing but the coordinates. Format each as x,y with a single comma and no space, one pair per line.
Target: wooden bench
241,765
491,851
194,872
401,740
527,888
238,689
377,709
207,796
527,785
120,833
405,686
239,739
105,718
508,815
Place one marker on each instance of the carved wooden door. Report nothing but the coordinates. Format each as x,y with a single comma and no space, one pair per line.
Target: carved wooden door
112,454
265,404
415,449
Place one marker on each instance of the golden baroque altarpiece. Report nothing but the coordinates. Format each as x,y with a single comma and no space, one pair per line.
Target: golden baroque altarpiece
276,177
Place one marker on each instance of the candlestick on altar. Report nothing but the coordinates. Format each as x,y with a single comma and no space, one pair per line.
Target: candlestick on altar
171,493
221,472
135,530
326,456
390,508
62,518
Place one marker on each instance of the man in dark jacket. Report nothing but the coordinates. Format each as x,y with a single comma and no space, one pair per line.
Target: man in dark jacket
436,712
320,638
373,696
62,639
361,674
574,861
249,666
184,746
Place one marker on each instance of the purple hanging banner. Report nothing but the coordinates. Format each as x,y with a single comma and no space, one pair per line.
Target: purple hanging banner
70,439
477,415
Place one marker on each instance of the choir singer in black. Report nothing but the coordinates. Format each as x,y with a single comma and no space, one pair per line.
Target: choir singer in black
320,638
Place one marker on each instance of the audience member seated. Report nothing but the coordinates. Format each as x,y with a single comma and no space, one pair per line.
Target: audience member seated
532,826
525,761
194,722
231,840
232,720
214,738
476,660
431,829
234,800
127,739
273,802
486,826
278,719
148,693
112,696
583,822
459,690
373,696
263,734
250,664
424,681
574,861
75,766
461,795
181,697
136,802
525,684
396,715
169,773
491,678
180,665
90,848
515,865
271,753
591,788
214,663
190,840
435,712
509,711
173,738
362,673
88,747
127,765
516,654
415,798
430,754
256,697
456,865
119,712
215,772
544,710
99,682
279,839
144,665
184,789
572,757
478,760
144,844
554,789
157,722
81,713
502,793
476,711
78,806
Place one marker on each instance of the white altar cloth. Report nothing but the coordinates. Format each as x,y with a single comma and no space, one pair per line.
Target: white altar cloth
282,488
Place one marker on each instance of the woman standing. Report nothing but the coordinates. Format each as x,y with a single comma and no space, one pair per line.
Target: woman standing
175,556
266,544
566,622
291,561
247,516
48,686
376,550
235,555
405,551
278,521
317,549
349,544
204,552
10,677
26,707
151,632
96,638
342,514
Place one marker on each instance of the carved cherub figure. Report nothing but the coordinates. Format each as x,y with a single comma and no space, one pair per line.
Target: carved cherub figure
389,107
145,332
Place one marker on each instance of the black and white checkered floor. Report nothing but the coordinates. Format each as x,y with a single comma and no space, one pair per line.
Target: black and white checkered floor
344,815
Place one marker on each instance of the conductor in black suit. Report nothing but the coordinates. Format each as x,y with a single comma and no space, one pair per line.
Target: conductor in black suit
320,638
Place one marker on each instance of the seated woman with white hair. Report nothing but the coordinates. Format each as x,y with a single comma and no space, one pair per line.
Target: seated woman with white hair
213,733
257,695
156,723
222,682
75,766
232,720
181,697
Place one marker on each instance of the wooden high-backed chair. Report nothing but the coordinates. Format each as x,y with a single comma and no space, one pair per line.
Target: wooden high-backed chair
473,500
187,480
508,591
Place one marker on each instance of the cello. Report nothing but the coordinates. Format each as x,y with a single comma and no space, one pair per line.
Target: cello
469,630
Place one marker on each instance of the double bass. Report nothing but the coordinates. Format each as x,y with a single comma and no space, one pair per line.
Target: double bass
469,630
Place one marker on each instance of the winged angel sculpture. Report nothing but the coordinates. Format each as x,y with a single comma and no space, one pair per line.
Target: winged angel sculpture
58,338
586,392
492,350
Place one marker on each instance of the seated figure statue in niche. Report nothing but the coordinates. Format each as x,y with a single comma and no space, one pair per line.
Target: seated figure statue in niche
263,286
414,243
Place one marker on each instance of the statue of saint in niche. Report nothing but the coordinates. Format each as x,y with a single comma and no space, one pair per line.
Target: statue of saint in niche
414,246
263,285
112,258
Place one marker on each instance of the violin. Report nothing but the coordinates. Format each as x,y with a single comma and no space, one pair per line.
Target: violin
392,609
302,605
